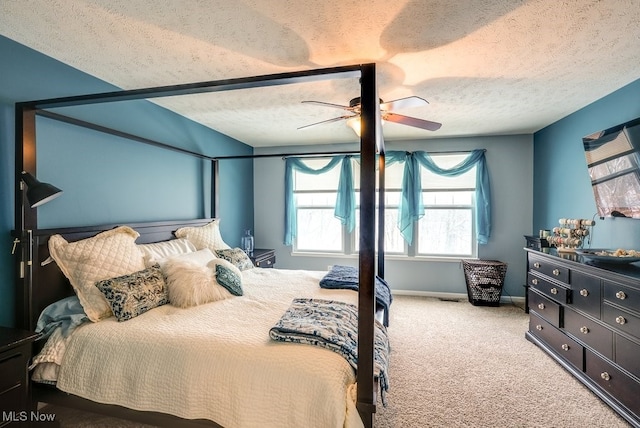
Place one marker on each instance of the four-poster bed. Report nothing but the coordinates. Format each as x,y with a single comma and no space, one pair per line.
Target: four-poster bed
40,284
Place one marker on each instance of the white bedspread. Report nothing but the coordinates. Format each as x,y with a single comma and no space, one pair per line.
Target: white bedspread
216,361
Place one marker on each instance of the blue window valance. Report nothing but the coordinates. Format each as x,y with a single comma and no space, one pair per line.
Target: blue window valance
411,207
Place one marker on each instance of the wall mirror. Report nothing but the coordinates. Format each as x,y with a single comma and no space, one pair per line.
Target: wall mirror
613,160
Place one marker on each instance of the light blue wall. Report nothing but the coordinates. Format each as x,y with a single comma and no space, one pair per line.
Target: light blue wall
562,187
107,179
510,163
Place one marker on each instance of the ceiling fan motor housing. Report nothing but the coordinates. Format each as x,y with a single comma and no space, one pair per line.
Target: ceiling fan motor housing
355,102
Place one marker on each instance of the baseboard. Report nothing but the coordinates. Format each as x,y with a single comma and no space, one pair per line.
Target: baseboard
453,296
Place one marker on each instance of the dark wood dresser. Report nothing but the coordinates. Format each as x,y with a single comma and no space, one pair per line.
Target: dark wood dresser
15,354
586,316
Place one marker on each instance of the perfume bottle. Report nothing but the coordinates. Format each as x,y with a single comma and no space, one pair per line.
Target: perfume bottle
247,242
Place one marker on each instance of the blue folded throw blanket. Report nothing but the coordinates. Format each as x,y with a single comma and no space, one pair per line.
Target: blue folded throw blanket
347,277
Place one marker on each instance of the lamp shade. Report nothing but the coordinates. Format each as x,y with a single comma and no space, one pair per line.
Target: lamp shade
39,193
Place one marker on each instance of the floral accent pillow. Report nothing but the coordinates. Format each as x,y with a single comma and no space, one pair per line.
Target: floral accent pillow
134,294
236,257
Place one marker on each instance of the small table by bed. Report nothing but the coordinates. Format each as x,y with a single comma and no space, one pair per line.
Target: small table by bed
263,258
15,353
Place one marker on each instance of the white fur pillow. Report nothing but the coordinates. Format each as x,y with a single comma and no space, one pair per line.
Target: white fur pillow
190,284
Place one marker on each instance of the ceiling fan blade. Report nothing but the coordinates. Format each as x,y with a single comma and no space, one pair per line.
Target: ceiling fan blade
401,103
412,121
320,103
335,119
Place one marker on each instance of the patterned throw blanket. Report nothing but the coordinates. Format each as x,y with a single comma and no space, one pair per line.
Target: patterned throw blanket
347,277
332,325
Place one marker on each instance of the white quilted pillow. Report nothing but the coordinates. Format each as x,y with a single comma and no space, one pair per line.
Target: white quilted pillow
207,236
107,255
157,251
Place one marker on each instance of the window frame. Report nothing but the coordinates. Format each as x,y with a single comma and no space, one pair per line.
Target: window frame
410,251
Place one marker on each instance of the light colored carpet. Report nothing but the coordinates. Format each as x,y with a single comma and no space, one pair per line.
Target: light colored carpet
458,365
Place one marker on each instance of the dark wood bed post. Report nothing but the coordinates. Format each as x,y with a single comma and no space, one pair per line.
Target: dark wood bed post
215,193
369,141
381,208
26,218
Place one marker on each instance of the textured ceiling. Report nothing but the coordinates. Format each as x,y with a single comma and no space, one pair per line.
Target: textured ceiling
487,67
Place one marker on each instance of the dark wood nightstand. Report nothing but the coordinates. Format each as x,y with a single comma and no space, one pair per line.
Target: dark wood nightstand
15,354
536,242
263,258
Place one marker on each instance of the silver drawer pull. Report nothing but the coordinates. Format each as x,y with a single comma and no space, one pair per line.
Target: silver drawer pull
605,376
554,290
541,306
565,347
584,292
621,295
584,329
539,327
534,281
536,265
621,320
556,272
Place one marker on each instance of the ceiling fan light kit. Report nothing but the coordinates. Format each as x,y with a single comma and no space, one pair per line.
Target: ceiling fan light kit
353,120
354,123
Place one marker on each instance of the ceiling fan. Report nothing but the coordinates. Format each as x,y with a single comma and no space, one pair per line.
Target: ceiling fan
353,119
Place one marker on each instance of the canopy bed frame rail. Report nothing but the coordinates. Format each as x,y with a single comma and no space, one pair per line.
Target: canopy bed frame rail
34,291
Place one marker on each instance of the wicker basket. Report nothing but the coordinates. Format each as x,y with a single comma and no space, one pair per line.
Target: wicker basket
484,281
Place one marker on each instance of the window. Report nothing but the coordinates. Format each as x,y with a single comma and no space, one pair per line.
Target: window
393,241
446,229
315,196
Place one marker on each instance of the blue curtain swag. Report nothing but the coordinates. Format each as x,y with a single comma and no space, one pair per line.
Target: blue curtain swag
411,208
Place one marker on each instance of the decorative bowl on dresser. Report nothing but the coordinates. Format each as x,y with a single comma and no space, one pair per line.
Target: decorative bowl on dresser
15,354
586,316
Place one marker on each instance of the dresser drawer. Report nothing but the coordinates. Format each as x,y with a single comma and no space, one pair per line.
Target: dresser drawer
622,296
548,288
613,380
586,293
589,332
628,355
547,267
621,319
564,346
544,307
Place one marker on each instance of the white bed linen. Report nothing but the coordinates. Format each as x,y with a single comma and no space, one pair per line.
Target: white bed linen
216,361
